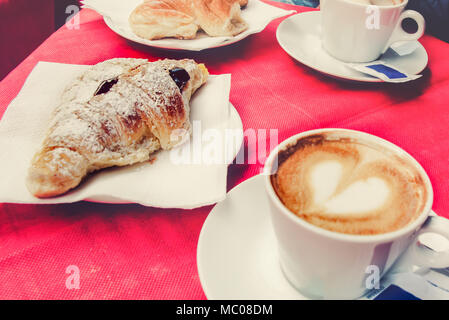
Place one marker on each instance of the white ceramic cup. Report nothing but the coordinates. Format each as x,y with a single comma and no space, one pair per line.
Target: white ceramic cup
357,32
323,264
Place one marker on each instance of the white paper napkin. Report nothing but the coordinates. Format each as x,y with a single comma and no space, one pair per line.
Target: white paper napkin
116,13
167,182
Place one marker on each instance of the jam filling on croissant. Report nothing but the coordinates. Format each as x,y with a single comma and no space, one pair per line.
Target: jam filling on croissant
180,77
106,86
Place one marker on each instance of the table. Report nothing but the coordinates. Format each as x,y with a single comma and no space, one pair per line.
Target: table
134,252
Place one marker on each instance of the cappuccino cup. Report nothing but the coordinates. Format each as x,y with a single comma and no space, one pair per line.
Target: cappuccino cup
362,30
344,203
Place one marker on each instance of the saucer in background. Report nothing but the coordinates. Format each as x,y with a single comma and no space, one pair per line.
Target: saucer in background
300,37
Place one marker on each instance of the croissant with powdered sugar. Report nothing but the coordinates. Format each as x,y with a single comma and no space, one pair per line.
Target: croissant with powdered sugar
116,113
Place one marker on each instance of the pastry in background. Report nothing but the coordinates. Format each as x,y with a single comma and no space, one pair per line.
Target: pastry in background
117,113
156,19
219,17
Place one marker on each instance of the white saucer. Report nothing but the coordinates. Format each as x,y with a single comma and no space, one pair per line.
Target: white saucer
171,44
237,251
300,37
233,142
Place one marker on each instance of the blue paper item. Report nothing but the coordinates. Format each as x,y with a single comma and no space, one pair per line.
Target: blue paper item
388,71
306,3
394,292
383,71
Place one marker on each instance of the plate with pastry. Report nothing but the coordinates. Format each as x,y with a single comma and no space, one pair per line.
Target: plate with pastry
125,130
192,25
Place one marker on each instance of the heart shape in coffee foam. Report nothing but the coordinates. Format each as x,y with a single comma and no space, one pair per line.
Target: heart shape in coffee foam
340,195
350,187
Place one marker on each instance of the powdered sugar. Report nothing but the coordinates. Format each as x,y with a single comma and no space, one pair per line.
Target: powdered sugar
126,121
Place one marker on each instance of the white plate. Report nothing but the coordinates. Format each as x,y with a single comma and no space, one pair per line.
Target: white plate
116,12
233,141
172,44
237,251
300,37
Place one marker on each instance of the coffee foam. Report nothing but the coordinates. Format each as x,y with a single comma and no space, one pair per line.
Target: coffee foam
349,186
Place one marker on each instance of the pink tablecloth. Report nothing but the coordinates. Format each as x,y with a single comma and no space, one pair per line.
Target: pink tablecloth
133,252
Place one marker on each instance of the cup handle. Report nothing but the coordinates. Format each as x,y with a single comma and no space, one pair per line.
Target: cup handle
428,258
399,34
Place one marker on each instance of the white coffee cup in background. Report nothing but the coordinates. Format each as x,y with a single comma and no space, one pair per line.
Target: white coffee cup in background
331,265
362,30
